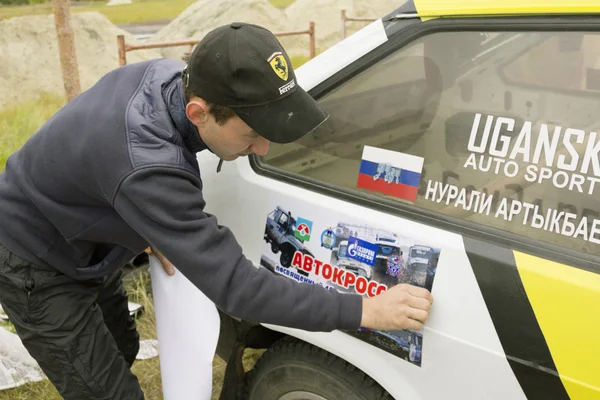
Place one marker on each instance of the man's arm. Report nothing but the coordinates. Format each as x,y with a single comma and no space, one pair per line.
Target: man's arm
165,206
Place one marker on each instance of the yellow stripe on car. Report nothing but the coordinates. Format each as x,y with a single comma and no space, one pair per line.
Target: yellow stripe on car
429,9
566,303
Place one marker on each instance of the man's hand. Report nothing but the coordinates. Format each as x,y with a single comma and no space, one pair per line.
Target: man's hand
168,267
401,307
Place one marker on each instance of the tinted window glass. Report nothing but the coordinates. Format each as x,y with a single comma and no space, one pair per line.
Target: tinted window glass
505,124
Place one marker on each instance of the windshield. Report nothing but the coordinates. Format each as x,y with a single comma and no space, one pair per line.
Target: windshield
420,253
417,340
342,250
384,249
283,220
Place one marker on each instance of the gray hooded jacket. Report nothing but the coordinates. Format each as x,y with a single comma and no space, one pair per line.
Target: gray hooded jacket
94,187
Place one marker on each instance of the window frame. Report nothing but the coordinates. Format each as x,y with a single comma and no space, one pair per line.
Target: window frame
400,34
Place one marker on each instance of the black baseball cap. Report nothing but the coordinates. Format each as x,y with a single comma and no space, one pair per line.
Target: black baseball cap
244,67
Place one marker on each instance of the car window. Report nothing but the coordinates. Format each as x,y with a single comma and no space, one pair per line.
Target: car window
497,128
283,220
576,70
419,253
342,250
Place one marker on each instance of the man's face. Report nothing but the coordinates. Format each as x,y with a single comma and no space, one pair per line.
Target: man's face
231,140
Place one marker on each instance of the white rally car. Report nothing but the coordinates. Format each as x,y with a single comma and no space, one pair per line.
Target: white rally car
469,128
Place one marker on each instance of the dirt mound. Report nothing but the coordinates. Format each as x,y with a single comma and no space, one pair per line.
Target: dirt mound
205,15
327,17
30,61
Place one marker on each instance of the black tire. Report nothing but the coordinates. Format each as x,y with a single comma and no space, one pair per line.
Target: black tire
274,248
286,257
291,365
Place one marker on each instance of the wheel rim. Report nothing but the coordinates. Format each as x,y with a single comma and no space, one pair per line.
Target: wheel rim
286,259
301,395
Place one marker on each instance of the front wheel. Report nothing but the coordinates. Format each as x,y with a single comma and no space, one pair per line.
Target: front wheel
274,248
295,370
286,258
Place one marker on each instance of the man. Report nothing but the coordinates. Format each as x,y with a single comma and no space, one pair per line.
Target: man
115,172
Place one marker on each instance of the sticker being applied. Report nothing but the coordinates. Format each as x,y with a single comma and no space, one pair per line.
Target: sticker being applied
390,172
350,257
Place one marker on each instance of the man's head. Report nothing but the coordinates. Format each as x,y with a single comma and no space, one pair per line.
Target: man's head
226,134
242,93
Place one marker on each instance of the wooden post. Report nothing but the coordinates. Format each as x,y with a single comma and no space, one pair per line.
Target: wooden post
66,47
122,52
311,32
343,27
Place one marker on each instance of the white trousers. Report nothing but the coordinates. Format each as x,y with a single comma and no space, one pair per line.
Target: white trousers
187,325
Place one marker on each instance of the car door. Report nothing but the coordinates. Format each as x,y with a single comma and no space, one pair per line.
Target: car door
474,138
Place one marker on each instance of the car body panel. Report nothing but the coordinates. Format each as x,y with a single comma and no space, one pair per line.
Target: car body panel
512,319
464,316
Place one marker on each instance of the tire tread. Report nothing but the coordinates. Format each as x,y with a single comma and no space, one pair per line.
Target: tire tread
292,348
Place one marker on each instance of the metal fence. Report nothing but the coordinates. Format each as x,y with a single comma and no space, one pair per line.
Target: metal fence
345,18
124,47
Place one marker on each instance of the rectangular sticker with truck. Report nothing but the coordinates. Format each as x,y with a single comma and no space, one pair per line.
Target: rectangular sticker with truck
351,257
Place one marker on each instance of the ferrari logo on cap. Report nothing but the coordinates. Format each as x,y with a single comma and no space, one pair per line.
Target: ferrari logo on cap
279,65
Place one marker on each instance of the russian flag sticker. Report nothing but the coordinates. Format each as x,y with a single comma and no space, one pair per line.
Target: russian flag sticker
390,172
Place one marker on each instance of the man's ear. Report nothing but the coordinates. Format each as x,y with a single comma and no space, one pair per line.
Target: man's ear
197,112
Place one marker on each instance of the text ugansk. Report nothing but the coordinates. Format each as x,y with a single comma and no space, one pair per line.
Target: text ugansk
492,150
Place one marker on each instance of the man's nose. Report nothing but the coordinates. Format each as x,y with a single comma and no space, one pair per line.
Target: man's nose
261,147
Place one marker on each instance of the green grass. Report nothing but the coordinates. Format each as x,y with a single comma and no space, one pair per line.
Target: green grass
19,122
141,11
22,10
298,60
281,3
137,12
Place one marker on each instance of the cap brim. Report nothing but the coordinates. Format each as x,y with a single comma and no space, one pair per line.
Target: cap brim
285,120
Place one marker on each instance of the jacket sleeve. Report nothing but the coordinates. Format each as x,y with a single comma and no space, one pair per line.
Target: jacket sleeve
165,206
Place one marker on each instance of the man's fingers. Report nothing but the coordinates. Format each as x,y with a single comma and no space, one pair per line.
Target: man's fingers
419,302
418,291
167,266
419,315
413,324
